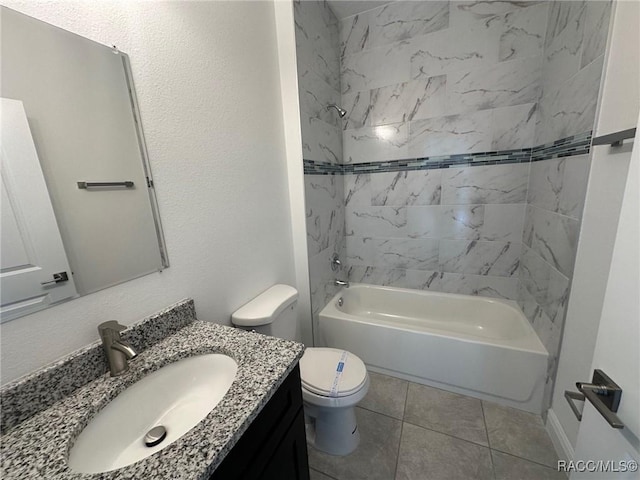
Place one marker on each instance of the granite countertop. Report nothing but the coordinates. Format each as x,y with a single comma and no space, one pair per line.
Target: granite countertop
38,447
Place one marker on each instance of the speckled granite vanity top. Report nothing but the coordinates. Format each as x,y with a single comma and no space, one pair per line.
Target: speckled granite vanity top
38,446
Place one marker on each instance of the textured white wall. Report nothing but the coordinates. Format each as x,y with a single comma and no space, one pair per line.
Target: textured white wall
285,27
207,79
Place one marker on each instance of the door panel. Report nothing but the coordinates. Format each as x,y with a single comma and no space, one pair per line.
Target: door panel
616,350
32,249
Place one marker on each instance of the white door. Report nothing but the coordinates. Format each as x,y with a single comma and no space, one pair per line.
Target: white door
617,351
606,452
31,250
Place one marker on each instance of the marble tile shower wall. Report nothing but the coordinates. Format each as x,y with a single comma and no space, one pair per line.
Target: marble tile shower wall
432,79
325,235
317,47
574,49
573,61
435,78
552,222
454,230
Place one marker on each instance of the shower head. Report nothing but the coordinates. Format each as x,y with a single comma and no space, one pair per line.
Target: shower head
341,111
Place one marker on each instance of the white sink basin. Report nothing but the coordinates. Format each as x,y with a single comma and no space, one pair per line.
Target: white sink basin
176,397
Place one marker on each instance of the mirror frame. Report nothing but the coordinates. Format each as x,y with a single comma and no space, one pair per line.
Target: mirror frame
145,159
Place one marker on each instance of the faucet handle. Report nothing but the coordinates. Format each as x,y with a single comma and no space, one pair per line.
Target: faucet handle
117,350
110,325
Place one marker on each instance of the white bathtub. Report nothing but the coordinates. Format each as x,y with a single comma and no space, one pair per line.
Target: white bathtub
477,346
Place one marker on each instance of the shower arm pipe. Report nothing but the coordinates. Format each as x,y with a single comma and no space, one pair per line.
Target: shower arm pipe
341,111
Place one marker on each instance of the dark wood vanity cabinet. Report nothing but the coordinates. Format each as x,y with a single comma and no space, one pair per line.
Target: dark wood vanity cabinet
274,446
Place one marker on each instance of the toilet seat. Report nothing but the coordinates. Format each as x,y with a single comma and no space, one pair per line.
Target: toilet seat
332,373
314,400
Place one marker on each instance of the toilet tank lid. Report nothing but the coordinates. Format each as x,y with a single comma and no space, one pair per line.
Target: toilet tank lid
266,307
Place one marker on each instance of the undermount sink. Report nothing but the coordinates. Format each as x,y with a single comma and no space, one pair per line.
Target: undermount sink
176,397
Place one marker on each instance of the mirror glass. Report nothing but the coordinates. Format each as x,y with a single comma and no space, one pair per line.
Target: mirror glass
79,212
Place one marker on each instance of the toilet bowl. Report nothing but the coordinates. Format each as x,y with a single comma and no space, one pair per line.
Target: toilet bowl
333,380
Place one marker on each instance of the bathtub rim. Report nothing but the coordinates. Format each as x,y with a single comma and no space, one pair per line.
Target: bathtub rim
532,344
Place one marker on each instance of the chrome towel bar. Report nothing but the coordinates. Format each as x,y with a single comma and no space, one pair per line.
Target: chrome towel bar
87,185
615,139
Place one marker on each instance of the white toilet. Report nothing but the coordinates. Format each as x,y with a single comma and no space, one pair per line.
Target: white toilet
333,381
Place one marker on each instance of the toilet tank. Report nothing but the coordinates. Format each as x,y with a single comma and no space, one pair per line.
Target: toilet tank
273,312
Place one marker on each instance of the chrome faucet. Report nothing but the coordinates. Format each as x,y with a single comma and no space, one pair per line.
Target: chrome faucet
118,351
340,283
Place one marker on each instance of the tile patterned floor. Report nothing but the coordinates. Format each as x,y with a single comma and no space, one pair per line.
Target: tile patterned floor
413,432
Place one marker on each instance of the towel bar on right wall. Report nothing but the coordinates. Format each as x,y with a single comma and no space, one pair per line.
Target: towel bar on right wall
615,139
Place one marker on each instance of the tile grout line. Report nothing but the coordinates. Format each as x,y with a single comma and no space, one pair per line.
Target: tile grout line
380,413
322,473
523,458
484,420
406,401
540,257
493,466
404,409
426,428
486,432
501,451
534,205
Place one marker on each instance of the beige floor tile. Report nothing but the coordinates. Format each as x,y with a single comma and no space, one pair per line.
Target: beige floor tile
446,412
519,433
386,395
425,454
375,458
508,467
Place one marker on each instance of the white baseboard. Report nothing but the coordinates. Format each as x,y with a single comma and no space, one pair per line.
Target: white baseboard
561,442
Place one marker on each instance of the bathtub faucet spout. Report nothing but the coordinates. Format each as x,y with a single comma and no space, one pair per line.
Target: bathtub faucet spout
340,283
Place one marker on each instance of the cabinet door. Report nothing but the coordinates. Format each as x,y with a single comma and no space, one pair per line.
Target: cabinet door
251,457
289,461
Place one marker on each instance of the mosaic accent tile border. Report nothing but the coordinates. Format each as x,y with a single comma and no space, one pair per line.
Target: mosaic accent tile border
565,147
424,163
446,161
312,167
